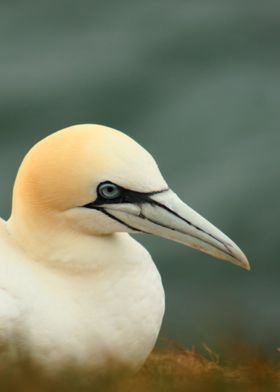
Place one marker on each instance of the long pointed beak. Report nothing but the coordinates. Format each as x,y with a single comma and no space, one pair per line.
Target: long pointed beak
165,215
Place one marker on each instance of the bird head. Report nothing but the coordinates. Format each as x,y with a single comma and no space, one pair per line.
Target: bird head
98,181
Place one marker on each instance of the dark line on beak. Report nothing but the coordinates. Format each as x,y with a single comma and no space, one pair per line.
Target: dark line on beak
152,201
140,198
182,232
117,219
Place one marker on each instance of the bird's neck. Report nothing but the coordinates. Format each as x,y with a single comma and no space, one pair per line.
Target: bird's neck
49,241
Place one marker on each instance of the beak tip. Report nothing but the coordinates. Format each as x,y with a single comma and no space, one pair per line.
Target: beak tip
246,265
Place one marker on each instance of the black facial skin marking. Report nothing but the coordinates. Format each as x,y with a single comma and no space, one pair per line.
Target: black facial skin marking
126,196
117,219
139,198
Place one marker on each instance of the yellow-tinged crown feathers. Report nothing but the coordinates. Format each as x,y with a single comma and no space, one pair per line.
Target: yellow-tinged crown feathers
63,170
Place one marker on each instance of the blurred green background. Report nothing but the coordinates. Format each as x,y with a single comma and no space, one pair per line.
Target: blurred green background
198,84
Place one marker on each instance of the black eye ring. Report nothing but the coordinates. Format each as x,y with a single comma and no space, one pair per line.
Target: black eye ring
109,191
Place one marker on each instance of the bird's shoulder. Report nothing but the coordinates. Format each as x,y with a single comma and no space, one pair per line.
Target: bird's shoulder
9,304
2,227
7,250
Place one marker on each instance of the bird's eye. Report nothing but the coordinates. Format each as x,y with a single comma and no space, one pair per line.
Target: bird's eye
110,191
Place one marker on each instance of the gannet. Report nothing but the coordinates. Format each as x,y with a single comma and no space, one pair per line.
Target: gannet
75,287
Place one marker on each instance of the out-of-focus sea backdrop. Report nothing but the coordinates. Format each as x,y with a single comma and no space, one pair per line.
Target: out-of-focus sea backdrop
198,84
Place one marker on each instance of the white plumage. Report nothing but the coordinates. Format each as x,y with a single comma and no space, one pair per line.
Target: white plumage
74,286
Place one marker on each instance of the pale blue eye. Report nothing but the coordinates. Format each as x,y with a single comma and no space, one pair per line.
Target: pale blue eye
110,191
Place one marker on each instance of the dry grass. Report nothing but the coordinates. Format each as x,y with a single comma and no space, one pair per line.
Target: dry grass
171,369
